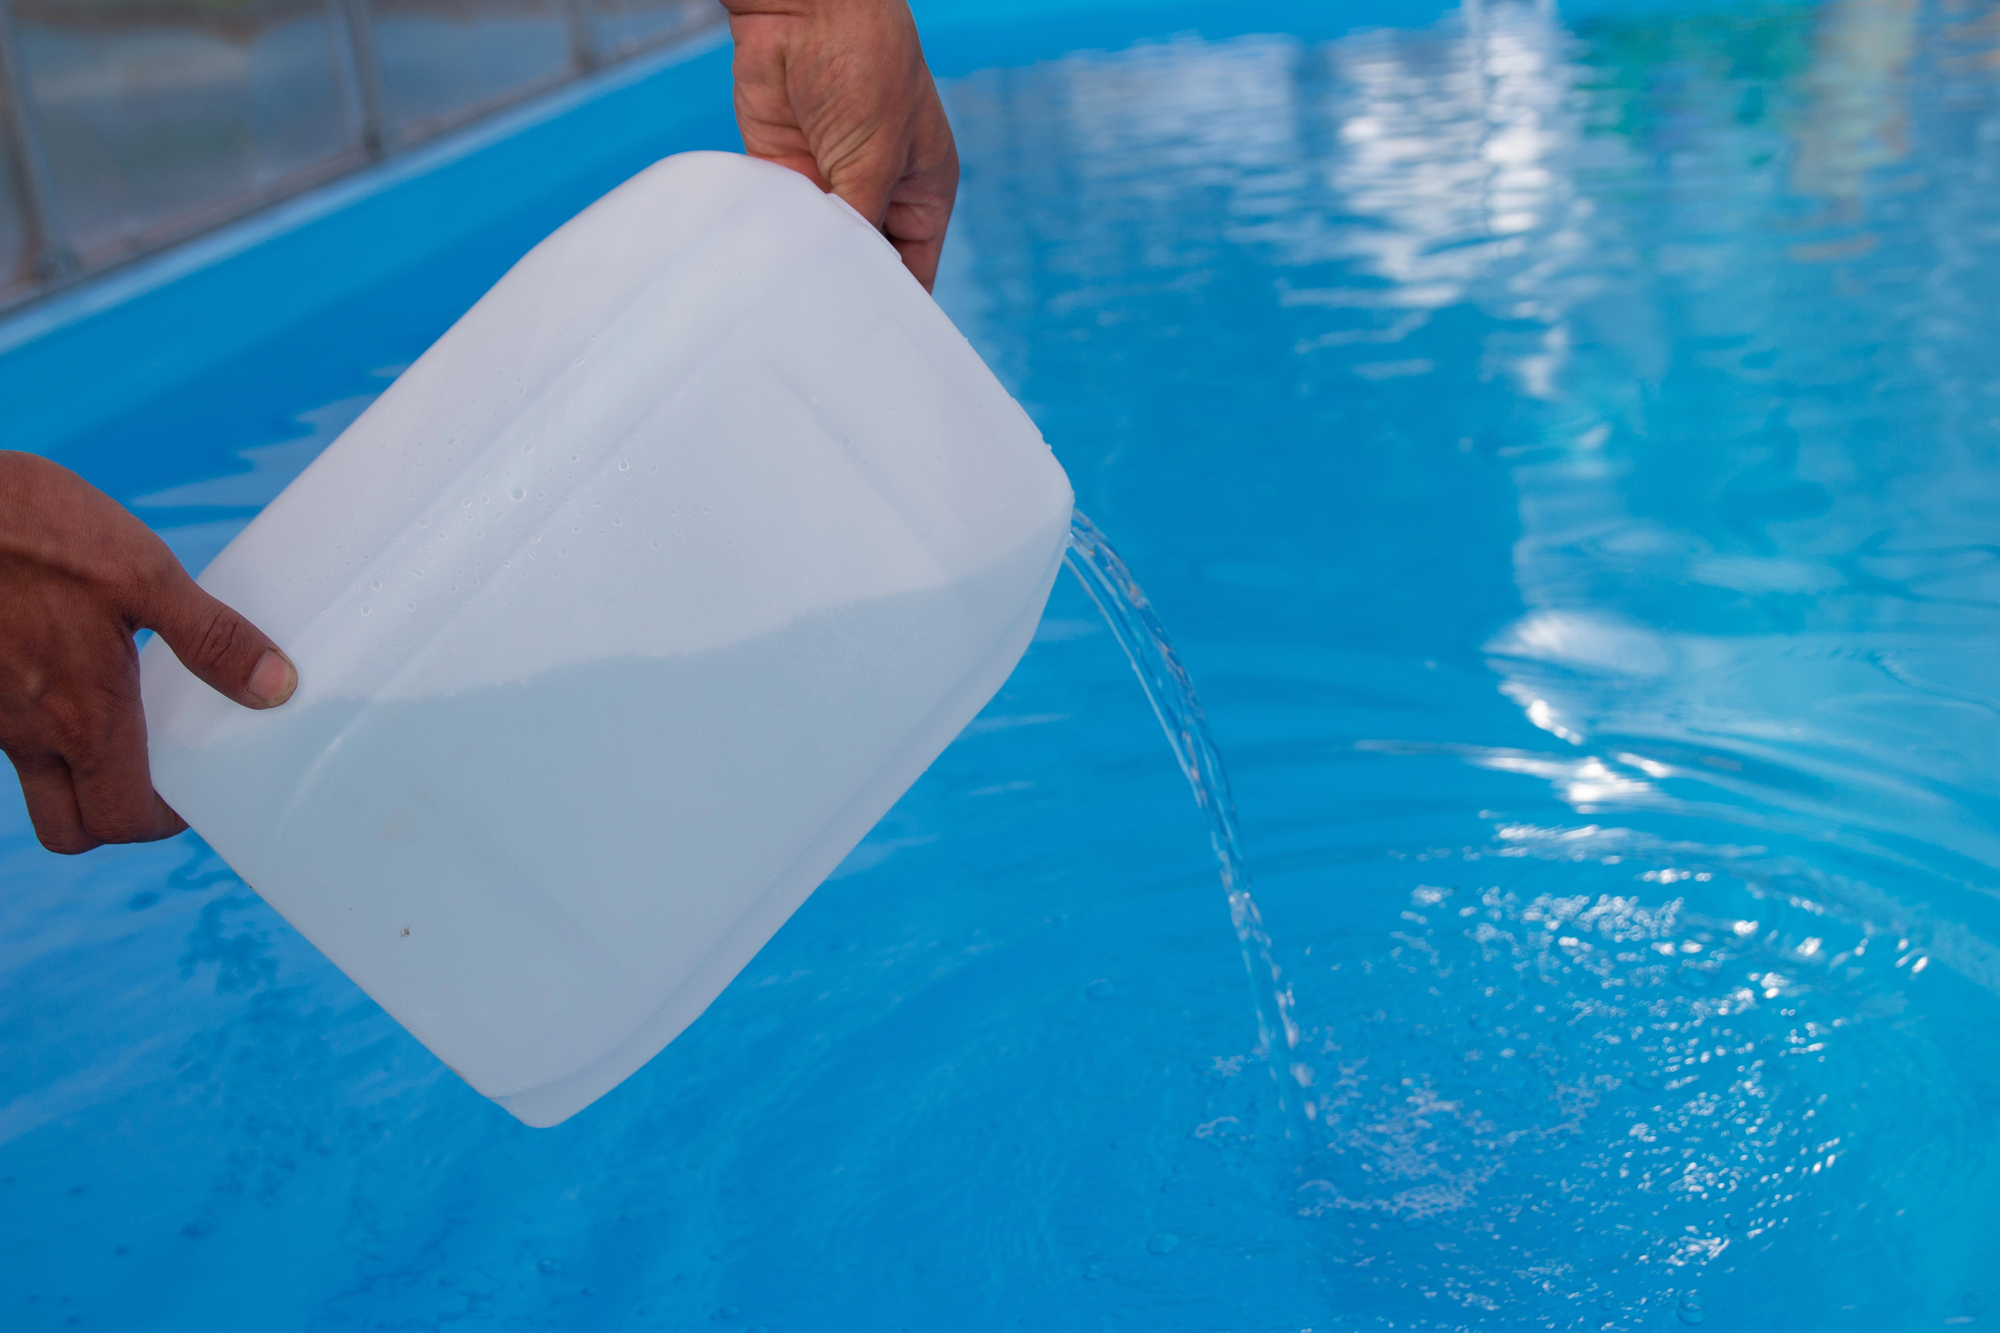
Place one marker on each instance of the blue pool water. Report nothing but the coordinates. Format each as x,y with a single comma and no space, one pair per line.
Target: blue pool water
1564,444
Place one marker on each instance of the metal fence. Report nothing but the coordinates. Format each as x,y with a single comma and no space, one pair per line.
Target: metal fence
126,125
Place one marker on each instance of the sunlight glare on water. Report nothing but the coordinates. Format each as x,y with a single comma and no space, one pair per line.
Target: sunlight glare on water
1561,441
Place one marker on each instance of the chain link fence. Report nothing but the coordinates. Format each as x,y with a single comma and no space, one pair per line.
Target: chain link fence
126,125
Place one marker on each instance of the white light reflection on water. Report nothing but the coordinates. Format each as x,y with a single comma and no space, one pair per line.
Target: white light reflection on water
1560,443
1586,1075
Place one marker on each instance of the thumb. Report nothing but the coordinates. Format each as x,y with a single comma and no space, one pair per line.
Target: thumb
228,653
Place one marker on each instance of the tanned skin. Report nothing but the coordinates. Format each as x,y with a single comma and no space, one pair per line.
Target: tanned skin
78,577
837,90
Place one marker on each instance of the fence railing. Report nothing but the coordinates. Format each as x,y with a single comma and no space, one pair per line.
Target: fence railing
126,125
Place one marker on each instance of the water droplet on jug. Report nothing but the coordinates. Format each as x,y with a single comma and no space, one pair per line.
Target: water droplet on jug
624,465
1166,1242
518,493
1690,1311
467,504
423,522
572,458
377,585
550,1265
364,610
1100,989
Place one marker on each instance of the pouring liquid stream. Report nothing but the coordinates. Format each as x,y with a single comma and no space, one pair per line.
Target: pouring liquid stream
1172,694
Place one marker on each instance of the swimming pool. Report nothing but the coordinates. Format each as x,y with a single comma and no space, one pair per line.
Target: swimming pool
1562,442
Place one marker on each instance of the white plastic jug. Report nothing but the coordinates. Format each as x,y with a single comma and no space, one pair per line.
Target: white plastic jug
619,619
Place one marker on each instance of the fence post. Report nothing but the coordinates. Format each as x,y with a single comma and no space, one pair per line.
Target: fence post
364,67
53,259
583,53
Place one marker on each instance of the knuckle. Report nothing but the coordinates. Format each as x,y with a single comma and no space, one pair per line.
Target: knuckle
218,640
74,731
26,683
86,729
156,573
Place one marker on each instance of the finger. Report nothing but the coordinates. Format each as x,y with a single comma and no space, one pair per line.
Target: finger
113,783
224,650
918,239
888,156
45,783
920,204
912,210
764,113
865,180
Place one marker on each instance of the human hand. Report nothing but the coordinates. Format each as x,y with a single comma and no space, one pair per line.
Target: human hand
838,91
78,576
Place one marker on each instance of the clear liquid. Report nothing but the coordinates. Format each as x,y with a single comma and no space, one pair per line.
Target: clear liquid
1171,692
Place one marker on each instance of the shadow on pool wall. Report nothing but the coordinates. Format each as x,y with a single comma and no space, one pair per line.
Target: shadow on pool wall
1560,440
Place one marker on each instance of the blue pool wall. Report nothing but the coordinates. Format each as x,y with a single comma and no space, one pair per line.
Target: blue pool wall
460,212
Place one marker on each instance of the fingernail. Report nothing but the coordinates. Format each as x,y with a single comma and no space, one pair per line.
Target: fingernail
272,680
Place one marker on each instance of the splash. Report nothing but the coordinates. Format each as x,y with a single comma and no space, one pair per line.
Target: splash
1171,692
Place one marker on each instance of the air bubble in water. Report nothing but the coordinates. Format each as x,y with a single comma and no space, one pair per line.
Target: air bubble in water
518,493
